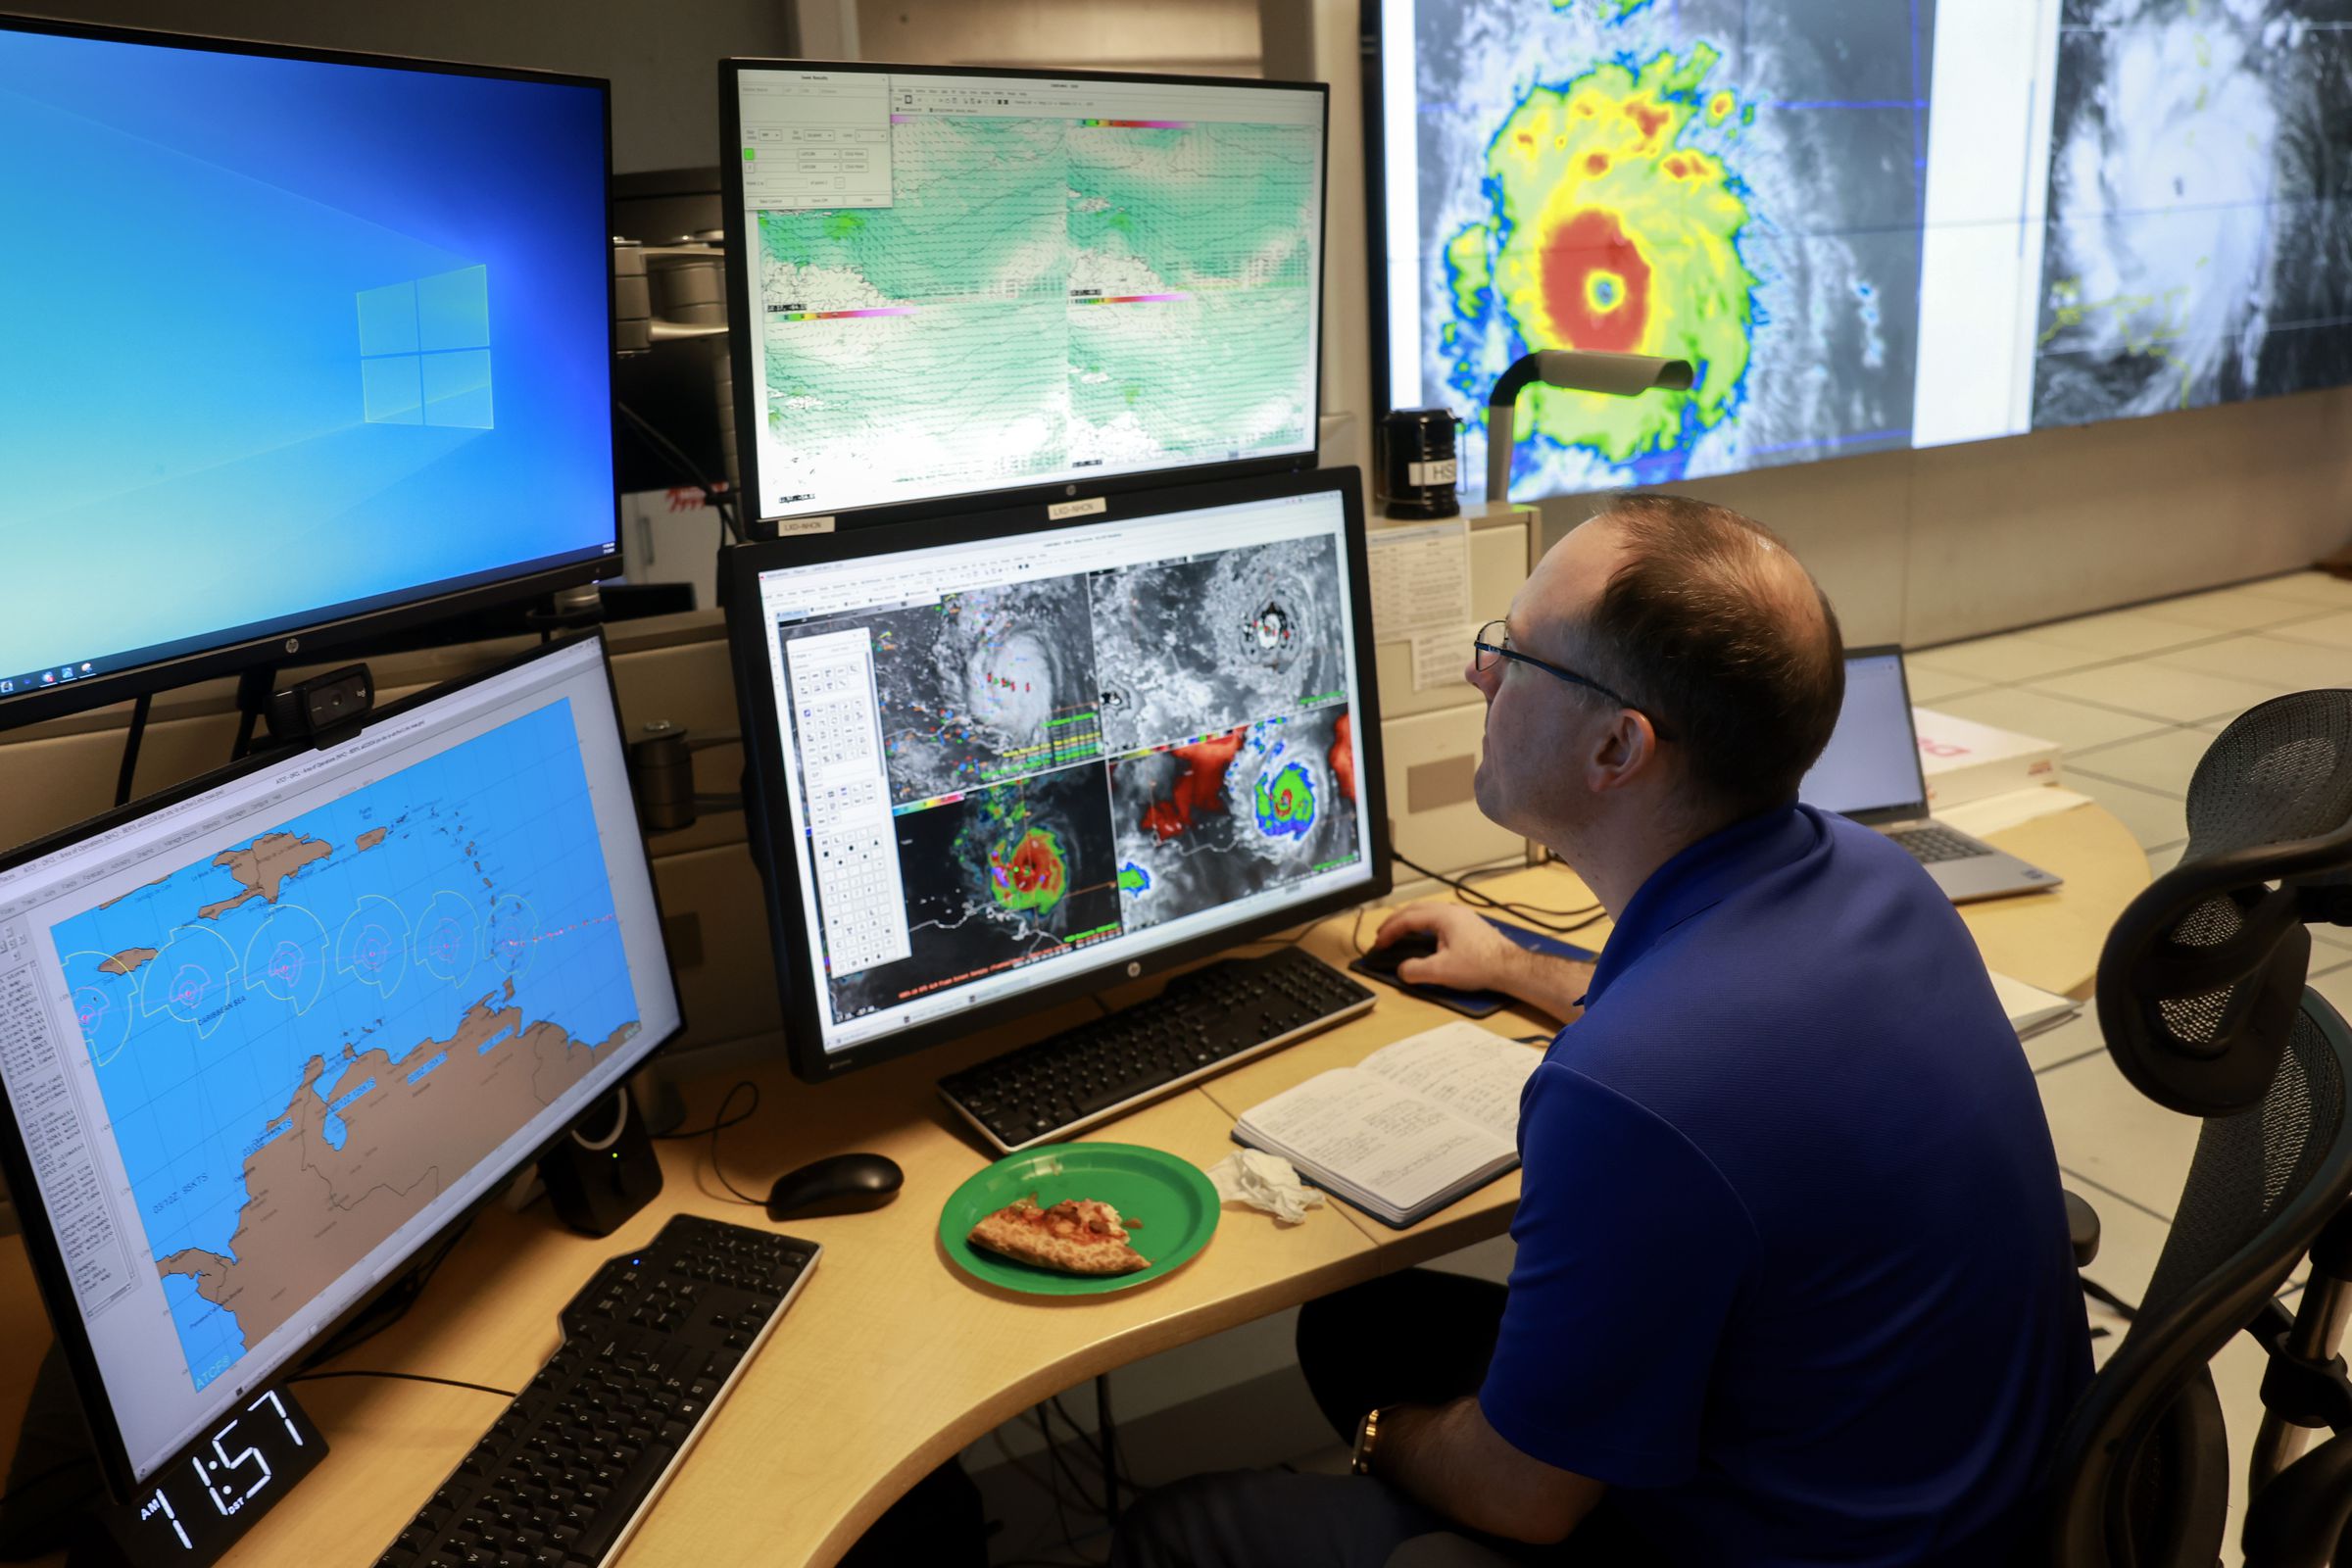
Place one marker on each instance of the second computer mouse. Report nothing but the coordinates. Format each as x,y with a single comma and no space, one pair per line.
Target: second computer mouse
838,1184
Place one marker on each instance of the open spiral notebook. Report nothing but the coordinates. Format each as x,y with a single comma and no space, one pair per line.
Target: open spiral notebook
1410,1128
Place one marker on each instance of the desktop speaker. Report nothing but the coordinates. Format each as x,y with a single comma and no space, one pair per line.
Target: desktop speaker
606,1169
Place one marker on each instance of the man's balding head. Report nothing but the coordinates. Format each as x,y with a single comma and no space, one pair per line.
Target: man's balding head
1705,622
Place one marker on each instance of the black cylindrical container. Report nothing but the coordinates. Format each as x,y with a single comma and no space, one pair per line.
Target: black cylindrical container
1413,464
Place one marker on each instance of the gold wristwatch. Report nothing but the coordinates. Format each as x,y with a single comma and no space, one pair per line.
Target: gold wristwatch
1367,1437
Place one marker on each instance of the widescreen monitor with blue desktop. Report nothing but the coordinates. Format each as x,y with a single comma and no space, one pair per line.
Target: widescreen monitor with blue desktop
297,345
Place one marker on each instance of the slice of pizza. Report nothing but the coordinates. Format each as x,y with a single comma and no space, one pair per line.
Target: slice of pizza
1076,1236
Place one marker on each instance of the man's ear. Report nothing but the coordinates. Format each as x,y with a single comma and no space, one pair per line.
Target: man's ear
1625,751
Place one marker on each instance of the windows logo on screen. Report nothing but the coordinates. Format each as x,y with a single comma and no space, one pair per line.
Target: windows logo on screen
425,350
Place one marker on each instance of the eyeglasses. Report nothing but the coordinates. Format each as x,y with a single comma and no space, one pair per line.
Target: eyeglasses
1493,645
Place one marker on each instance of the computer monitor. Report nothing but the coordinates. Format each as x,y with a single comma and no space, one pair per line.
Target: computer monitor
300,347
265,1037
946,282
997,762
1870,227
1871,769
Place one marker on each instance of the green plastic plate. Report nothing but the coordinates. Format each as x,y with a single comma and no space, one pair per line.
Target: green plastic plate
1176,1203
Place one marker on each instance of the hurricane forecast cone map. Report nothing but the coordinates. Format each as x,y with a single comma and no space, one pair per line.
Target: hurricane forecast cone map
1082,757
1868,224
302,1037
1723,183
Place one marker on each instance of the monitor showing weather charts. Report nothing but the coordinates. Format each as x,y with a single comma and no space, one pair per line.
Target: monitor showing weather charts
953,282
1869,224
263,1039
295,341
1009,761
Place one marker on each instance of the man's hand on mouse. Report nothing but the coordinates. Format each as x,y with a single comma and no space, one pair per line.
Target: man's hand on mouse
1472,955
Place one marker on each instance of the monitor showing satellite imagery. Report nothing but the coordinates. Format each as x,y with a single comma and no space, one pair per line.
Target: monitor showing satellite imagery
1001,754
1867,226
2199,242
961,282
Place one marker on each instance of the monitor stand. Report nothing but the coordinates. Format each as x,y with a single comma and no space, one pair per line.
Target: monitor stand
53,1481
606,1169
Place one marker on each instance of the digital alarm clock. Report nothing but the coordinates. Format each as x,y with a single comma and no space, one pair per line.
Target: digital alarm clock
200,1502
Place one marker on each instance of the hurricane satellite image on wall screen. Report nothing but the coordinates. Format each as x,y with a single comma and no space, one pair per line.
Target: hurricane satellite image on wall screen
1734,182
1867,224
2199,244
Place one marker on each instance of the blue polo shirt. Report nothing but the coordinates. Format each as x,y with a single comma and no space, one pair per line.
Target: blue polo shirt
1792,1273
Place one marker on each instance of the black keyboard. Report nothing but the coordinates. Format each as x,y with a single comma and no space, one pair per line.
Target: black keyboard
1931,845
1202,1024
651,1344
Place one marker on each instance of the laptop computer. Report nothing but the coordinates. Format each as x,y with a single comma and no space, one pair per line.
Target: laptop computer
1869,772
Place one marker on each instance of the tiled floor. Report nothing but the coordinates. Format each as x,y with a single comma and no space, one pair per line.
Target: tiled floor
2133,698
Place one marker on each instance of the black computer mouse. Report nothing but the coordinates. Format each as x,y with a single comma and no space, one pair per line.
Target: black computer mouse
838,1184
1384,960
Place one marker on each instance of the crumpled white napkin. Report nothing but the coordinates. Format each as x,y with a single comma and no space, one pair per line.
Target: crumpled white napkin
1265,1182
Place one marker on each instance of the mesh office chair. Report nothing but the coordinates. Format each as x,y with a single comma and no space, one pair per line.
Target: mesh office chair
2202,1001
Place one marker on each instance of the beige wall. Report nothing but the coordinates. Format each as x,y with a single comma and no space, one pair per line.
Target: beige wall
1194,37
1927,547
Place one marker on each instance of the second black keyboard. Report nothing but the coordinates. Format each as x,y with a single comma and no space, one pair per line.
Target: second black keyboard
1204,1022
652,1343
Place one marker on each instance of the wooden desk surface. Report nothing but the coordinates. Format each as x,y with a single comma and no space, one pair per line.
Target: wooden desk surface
2052,940
890,1360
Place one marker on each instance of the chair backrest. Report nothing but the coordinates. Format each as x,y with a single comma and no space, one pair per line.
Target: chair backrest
2202,1002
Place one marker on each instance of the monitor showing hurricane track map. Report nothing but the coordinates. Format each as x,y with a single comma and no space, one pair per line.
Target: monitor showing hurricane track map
1868,224
960,284
260,1044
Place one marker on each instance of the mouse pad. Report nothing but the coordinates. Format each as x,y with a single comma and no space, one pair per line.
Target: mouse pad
1479,1004
1174,1200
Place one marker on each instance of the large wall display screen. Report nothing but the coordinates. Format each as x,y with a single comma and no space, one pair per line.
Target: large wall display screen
1868,224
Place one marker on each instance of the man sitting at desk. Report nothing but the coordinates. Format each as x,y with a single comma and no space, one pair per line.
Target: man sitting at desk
1793,1282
